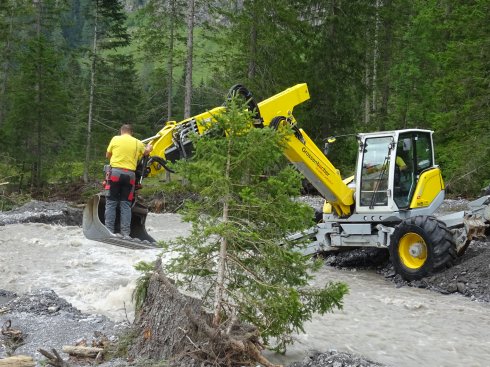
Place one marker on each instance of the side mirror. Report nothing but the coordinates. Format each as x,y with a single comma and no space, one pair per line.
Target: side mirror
407,144
329,141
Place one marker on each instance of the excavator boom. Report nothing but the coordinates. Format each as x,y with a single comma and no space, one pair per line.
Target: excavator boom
173,142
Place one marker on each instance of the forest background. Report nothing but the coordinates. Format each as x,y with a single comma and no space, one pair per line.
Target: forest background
72,71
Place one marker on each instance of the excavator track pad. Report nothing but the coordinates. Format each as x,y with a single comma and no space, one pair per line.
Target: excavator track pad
94,228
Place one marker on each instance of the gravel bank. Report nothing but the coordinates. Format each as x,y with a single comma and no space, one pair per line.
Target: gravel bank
48,321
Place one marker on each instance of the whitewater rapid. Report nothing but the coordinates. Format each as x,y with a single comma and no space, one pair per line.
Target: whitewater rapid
95,277
401,327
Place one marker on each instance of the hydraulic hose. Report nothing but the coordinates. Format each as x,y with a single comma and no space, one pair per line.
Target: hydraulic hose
253,107
276,122
158,160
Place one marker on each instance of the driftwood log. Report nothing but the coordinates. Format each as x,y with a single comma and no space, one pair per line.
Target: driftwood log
17,361
174,327
75,351
79,351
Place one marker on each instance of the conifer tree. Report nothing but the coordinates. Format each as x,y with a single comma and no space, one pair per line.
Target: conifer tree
238,257
159,36
6,35
109,32
38,103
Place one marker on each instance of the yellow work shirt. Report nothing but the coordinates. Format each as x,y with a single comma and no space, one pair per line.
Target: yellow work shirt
400,163
126,151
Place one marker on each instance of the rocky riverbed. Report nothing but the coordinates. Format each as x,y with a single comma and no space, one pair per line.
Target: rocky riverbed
49,321
470,276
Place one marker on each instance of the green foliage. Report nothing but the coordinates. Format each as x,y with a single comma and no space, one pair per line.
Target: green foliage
38,99
9,170
65,171
10,175
245,200
117,99
156,22
140,291
370,65
440,80
120,350
9,201
111,23
272,45
153,84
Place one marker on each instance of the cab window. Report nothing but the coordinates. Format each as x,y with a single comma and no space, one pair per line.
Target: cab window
423,150
375,172
404,178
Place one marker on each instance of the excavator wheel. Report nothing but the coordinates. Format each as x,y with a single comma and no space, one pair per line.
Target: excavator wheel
420,246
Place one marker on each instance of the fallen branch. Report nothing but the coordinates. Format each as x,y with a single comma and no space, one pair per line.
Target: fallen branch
14,334
54,359
12,338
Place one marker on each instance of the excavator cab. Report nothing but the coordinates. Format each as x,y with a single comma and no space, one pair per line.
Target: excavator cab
393,171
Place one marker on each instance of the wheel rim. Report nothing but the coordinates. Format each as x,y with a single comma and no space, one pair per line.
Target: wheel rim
412,250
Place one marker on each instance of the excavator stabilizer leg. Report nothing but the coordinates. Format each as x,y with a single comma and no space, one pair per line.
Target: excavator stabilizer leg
94,228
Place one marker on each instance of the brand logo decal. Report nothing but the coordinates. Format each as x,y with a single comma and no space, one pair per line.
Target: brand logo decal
316,161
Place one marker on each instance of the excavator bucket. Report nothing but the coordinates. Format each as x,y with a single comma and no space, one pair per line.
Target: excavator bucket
94,228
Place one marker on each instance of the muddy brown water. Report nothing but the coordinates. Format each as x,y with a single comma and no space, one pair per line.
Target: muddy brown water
395,326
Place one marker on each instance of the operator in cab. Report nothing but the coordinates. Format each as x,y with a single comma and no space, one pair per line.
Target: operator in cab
124,152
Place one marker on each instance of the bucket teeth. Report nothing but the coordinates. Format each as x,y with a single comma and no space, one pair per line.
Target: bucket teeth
134,244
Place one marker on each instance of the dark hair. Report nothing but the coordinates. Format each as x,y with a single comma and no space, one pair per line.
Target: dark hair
127,128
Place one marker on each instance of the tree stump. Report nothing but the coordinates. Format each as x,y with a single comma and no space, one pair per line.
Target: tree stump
174,327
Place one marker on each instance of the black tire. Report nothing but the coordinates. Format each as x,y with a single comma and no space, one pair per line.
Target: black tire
318,217
420,246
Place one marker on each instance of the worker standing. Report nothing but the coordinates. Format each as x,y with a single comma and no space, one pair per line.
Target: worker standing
124,152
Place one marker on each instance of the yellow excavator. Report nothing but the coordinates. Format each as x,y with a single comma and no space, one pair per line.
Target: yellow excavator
389,203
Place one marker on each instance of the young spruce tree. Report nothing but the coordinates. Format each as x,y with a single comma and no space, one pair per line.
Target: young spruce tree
237,256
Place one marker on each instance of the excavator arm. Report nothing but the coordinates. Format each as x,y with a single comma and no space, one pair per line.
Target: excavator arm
173,142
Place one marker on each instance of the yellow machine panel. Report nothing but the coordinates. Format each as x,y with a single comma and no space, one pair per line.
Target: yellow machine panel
282,104
429,185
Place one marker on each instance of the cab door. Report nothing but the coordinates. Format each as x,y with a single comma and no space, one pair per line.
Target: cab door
404,177
417,179
373,174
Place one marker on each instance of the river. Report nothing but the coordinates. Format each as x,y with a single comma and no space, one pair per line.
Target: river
395,326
